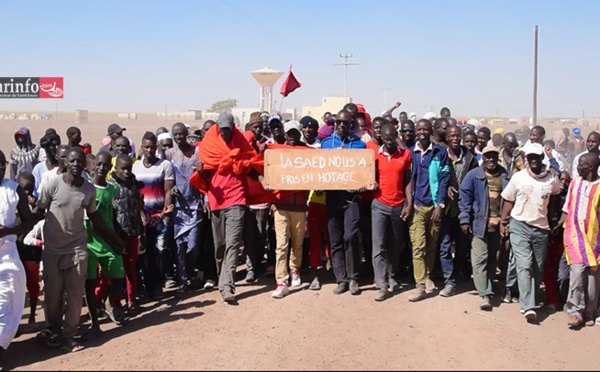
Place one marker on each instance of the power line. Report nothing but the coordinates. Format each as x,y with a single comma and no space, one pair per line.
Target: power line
345,64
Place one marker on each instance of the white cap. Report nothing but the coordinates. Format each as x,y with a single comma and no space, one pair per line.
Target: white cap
292,125
533,148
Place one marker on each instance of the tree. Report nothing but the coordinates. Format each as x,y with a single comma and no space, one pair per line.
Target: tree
224,105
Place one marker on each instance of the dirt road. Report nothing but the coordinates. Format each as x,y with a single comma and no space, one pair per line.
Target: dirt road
316,330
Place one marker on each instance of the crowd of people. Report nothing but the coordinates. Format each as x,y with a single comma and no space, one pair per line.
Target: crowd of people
453,203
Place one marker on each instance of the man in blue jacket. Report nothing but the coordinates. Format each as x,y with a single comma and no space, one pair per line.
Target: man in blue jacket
343,213
480,211
431,175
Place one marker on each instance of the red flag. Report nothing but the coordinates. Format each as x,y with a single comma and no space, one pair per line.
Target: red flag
290,84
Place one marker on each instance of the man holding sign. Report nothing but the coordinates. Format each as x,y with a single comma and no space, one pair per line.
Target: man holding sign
343,213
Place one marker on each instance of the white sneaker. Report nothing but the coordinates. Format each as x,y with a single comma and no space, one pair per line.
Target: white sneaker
296,281
281,291
209,284
530,315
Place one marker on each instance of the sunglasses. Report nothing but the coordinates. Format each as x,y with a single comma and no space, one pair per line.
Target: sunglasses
342,122
407,130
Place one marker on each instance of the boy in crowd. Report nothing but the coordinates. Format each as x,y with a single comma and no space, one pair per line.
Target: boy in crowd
30,246
99,252
127,204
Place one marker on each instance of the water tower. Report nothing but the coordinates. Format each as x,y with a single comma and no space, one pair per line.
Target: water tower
266,78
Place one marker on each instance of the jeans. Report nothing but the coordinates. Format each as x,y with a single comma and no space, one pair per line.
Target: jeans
342,222
529,244
483,260
451,266
228,231
155,265
255,236
389,240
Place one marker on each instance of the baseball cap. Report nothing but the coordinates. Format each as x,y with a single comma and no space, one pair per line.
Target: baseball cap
225,120
274,118
291,125
533,148
490,149
114,128
308,121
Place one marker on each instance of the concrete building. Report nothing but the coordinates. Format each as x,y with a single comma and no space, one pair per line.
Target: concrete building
331,104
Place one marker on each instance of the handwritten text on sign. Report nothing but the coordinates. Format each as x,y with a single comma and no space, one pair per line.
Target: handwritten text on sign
312,169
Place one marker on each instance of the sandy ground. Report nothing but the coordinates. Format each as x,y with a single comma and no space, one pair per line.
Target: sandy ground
307,330
316,330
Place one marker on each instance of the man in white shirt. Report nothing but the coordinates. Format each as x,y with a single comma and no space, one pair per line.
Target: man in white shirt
526,200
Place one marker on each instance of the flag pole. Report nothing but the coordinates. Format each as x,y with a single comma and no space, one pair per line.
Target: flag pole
281,103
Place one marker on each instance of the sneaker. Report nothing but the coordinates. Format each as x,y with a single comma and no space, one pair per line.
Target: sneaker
574,321
210,284
598,321
296,281
315,285
420,294
393,285
281,291
508,297
341,288
430,286
72,345
170,283
485,303
354,289
448,291
530,315
381,295
250,277
590,322
116,315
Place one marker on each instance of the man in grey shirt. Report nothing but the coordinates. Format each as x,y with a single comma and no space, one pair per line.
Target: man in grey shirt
65,248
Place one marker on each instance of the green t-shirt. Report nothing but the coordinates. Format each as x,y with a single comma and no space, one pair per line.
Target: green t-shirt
104,199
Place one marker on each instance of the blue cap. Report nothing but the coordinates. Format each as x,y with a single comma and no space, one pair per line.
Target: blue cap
274,118
308,121
576,130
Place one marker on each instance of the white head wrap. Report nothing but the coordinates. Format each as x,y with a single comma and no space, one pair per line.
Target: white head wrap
165,135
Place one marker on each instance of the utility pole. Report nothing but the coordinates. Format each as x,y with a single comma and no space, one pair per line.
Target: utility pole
346,64
535,77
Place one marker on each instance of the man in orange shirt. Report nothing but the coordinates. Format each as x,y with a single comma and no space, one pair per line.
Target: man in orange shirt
391,208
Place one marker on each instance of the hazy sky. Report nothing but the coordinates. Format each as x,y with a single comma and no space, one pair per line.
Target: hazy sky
475,57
